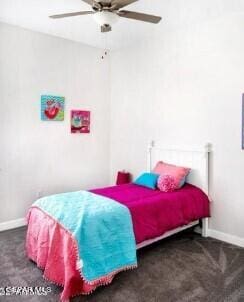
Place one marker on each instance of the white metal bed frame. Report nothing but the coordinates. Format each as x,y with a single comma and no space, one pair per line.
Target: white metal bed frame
195,158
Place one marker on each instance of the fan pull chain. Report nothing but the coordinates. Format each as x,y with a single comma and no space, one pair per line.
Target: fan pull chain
105,53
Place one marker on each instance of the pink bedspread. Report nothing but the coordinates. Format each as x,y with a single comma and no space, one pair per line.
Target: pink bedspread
153,213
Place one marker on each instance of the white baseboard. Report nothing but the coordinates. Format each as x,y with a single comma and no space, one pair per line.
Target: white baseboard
12,224
226,237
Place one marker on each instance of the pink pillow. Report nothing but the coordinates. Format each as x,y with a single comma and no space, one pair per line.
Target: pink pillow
178,173
166,183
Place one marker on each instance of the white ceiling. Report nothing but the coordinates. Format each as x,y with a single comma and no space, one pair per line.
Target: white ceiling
33,14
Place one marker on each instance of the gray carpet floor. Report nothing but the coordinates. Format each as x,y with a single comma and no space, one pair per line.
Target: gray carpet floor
182,268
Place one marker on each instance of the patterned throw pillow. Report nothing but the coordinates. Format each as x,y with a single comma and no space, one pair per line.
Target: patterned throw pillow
177,173
166,183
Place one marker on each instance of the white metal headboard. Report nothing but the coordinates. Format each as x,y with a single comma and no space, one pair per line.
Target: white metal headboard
195,158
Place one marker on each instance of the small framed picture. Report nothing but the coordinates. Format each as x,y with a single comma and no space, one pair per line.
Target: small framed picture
80,121
52,108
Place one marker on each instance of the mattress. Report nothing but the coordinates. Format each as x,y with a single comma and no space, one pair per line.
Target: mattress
154,212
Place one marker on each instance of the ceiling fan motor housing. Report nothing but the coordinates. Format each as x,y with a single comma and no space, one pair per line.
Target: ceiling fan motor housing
97,6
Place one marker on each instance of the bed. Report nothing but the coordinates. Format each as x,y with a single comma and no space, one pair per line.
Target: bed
154,214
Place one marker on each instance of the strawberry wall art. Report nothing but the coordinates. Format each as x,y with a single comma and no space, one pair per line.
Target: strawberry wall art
80,121
52,108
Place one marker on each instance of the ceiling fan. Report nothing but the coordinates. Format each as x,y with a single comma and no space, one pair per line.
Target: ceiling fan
107,12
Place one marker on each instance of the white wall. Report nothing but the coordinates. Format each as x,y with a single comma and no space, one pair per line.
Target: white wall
37,156
182,85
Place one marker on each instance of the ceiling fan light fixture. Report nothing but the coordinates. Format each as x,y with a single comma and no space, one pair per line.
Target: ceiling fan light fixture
105,17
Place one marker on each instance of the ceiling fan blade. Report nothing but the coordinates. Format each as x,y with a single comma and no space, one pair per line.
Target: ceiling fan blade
71,14
95,4
90,2
117,4
106,28
139,16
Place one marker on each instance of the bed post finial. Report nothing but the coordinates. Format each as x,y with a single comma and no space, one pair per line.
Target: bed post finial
151,144
207,147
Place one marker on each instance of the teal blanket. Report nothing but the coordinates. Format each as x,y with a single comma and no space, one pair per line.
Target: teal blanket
102,228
